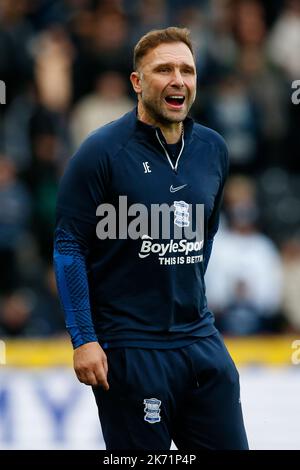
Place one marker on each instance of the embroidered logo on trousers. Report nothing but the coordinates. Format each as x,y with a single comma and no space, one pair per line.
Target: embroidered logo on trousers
152,410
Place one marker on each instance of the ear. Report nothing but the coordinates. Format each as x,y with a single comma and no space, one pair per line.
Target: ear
135,79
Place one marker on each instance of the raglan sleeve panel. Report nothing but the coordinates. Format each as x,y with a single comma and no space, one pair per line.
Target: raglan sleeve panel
82,189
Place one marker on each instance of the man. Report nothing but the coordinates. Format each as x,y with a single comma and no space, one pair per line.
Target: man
134,301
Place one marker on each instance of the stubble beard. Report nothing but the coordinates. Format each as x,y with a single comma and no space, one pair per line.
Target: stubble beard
159,114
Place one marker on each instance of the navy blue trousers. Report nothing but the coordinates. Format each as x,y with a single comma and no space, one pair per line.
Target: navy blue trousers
190,395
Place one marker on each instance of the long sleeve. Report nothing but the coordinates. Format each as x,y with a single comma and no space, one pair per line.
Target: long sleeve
72,282
80,192
213,223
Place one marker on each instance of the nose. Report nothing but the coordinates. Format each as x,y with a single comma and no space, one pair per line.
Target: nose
177,79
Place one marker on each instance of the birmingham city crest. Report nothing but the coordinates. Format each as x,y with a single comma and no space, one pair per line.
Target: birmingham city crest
152,410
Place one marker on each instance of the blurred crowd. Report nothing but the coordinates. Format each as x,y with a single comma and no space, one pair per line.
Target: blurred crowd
66,65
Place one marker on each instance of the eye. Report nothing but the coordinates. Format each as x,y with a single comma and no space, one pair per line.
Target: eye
188,71
164,69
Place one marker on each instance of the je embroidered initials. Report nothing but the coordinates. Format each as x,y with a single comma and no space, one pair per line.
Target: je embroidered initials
146,167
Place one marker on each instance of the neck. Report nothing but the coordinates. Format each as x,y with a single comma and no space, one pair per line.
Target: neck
172,134
172,131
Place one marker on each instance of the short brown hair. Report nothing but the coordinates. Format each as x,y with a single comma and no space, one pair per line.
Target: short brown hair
160,36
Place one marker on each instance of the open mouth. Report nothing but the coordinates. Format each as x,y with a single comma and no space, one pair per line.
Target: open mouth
175,101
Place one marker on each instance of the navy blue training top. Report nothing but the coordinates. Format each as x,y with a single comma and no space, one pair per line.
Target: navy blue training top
146,291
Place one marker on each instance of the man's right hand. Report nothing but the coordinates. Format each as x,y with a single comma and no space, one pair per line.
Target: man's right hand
90,365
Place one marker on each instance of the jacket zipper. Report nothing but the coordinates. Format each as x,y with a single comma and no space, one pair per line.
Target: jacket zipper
174,168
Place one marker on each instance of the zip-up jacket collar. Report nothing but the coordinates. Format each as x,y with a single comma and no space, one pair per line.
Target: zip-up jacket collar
147,130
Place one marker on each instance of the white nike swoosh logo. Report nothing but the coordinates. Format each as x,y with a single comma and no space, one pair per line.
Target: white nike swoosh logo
178,188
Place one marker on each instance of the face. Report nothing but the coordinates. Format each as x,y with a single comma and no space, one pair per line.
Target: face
166,83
